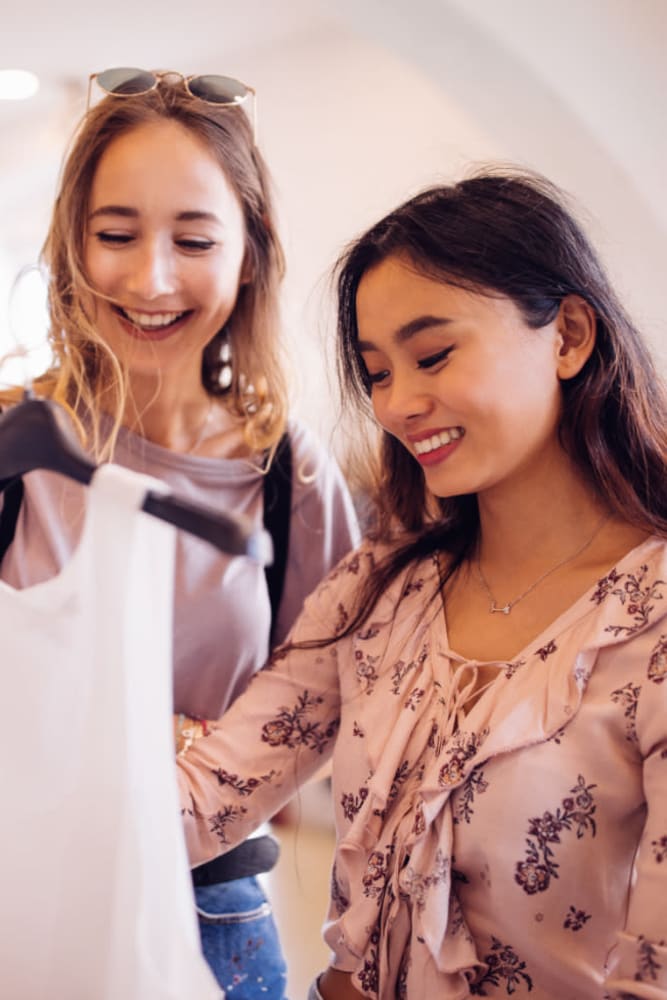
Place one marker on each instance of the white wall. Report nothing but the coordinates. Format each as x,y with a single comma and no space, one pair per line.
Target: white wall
362,102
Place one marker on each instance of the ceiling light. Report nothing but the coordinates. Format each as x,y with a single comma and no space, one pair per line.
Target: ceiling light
17,84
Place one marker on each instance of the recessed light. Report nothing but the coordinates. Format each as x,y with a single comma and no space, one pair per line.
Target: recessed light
17,84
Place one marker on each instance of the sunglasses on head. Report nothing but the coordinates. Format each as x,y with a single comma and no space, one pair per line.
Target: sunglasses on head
224,91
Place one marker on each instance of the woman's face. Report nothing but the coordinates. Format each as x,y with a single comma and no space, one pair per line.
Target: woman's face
459,379
165,242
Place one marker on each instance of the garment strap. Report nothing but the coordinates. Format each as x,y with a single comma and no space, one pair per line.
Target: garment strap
277,516
12,495
259,854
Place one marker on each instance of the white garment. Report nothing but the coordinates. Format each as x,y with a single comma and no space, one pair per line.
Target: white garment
96,901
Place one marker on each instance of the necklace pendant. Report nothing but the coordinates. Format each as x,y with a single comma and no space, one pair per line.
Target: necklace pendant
505,609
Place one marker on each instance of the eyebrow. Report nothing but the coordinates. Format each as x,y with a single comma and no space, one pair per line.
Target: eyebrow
125,212
408,330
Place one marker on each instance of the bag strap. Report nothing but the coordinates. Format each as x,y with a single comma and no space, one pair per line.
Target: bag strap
11,504
277,516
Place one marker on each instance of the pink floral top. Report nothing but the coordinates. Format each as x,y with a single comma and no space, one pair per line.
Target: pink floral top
514,845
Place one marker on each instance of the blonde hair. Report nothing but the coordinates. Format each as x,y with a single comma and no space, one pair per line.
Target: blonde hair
86,377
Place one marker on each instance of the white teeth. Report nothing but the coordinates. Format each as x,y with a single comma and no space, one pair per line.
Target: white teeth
152,321
438,440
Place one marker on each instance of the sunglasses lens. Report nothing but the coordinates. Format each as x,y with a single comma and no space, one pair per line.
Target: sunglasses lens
125,80
218,89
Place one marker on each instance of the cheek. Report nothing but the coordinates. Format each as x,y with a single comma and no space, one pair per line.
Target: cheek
379,410
218,285
98,270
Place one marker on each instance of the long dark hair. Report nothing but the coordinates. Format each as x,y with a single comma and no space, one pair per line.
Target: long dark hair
510,233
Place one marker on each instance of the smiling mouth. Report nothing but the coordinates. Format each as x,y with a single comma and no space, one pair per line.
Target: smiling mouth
152,324
436,441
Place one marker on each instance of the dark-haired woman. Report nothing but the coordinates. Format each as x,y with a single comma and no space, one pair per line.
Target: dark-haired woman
490,671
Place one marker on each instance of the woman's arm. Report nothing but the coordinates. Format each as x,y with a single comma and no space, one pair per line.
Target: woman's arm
236,772
639,963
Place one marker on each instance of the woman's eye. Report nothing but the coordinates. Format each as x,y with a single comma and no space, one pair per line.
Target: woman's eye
434,359
196,246
375,378
114,239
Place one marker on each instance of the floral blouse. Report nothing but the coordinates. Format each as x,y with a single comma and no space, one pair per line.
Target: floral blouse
513,844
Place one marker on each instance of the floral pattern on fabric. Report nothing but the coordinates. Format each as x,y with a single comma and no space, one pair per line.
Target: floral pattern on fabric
660,849
548,649
648,964
637,594
417,884
475,785
575,812
448,805
628,697
504,969
576,919
657,665
244,786
292,727
464,747
222,819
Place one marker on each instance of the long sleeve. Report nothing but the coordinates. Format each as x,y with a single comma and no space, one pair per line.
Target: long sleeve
271,740
640,963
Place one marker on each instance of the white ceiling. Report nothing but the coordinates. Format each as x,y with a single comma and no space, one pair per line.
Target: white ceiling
361,102
64,38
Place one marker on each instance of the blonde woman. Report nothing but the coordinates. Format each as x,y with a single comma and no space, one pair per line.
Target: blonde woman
164,268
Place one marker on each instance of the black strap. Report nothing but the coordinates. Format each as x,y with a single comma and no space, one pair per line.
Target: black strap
277,516
259,854
253,856
12,496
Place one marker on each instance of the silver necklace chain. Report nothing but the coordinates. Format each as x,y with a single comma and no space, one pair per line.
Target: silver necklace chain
505,609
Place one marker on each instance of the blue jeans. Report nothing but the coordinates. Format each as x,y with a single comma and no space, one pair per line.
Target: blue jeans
240,940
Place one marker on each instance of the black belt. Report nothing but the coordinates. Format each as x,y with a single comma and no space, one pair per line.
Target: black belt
253,856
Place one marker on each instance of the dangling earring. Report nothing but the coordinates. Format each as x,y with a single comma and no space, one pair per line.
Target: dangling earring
225,373
248,395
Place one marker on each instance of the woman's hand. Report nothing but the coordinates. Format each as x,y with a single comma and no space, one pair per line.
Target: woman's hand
186,731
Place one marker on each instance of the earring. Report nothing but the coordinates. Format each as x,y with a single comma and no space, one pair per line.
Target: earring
248,394
225,373
255,399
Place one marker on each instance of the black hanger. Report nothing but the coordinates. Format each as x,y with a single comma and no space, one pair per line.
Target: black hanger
37,434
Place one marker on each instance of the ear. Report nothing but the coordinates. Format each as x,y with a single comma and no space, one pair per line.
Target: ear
576,329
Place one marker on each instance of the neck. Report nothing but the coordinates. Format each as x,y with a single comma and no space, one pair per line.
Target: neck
169,413
530,525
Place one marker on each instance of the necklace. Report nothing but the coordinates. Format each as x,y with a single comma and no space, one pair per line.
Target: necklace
204,427
506,608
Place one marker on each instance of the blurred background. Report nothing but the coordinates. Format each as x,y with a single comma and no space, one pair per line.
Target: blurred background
361,103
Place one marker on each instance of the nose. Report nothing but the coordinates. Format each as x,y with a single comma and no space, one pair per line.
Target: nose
403,401
153,271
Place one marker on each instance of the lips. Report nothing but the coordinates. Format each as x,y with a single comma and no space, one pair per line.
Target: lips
151,326
434,447
440,439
